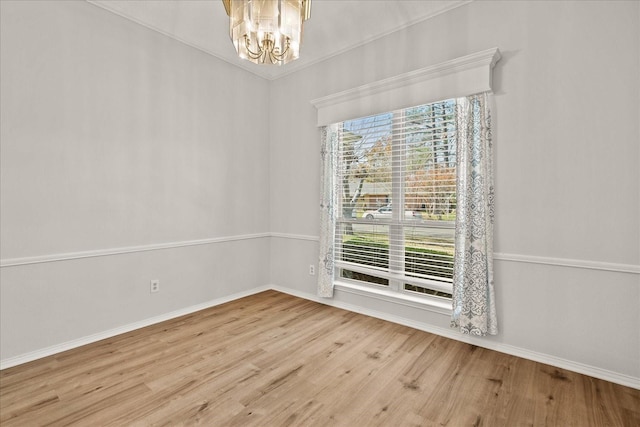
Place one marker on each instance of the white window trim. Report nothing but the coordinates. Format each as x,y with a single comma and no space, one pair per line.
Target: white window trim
456,78
395,274
422,302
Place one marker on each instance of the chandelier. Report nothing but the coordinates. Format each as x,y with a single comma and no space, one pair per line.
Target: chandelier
267,31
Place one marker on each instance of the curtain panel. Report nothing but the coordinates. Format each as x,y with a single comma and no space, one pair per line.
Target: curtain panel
474,310
328,203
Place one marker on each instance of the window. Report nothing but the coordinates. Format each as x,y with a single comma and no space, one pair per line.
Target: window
406,192
397,200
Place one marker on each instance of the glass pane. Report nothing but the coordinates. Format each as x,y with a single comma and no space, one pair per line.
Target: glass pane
429,253
426,291
430,173
366,245
365,166
363,277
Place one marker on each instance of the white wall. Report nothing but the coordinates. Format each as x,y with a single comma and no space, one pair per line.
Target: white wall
567,182
116,137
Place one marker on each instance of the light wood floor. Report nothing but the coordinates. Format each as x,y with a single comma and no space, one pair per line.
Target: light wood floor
274,360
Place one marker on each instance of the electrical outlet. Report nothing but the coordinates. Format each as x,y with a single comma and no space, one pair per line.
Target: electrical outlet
155,286
312,270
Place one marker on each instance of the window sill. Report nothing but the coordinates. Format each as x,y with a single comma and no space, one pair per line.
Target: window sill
419,302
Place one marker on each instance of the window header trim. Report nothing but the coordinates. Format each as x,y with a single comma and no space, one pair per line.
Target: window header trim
458,77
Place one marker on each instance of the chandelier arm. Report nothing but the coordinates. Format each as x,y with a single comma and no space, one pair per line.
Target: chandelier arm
273,58
281,56
252,54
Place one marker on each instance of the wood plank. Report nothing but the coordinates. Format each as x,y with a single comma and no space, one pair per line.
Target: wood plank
274,359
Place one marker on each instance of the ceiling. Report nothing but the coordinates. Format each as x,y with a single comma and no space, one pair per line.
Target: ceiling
335,26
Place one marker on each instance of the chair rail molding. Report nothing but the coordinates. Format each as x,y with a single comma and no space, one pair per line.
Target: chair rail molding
521,258
571,263
13,262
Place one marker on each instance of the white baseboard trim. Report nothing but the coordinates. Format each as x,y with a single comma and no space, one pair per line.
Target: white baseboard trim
69,345
614,377
603,374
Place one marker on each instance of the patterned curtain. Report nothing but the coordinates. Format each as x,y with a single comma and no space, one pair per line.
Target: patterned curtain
474,310
329,152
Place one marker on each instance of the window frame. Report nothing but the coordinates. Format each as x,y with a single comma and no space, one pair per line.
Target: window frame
395,274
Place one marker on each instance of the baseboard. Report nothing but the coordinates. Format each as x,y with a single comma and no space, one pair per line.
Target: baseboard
603,374
569,365
69,345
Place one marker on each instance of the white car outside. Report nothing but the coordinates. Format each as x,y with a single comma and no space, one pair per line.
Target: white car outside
385,213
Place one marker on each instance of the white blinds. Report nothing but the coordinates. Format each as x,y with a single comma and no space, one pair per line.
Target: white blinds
397,198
